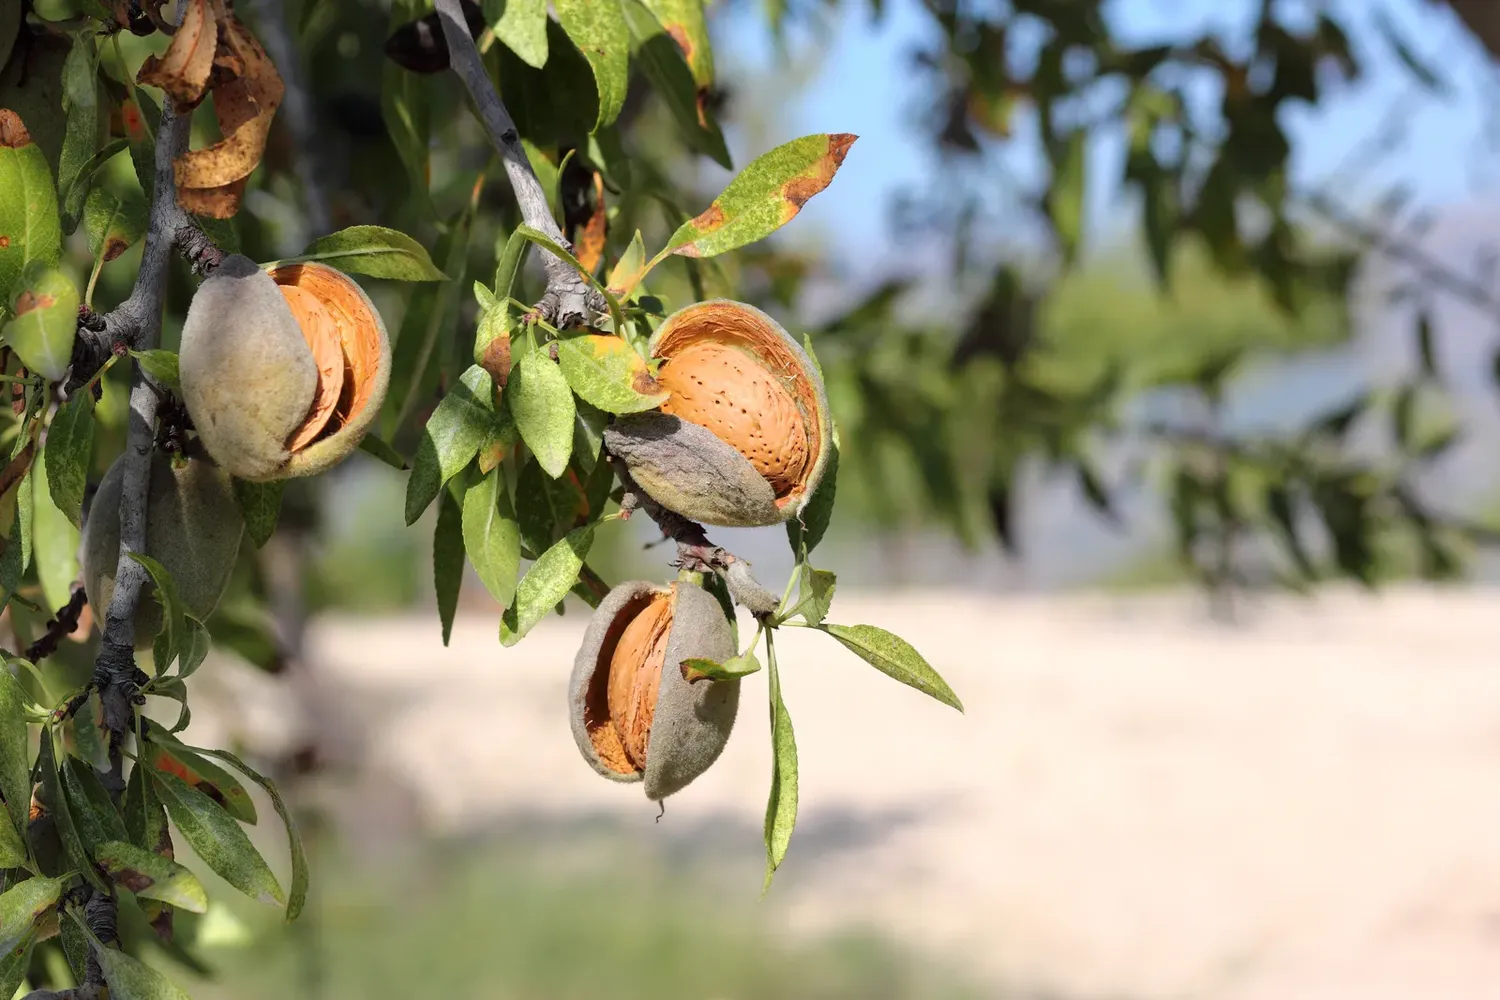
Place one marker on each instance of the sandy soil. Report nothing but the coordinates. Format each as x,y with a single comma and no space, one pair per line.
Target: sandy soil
1137,802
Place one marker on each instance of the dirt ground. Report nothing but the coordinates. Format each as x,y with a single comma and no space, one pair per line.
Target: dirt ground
1137,802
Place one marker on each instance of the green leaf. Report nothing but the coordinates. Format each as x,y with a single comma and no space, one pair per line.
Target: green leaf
298,896
376,251
12,847
628,271
22,905
166,596
260,505
54,542
546,507
608,373
781,805
130,979
492,537
377,447
94,813
68,452
816,593
76,165
763,197
113,221
170,756
588,435
448,559
663,60
545,584
522,26
893,656
15,756
1065,197
598,28
160,365
14,965
142,140
28,213
75,945
542,405
218,839
44,320
62,814
698,669
809,528
461,423
145,817
17,554
684,21
151,876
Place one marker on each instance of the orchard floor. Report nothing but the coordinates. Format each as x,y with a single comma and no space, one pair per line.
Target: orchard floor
1138,802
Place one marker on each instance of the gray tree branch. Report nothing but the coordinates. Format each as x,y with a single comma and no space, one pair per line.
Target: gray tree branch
569,300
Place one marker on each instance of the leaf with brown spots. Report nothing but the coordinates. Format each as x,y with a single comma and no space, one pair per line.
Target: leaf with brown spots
588,241
215,782
45,320
211,181
763,197
113,220
29,225
608,373
629,270
182,71
151,876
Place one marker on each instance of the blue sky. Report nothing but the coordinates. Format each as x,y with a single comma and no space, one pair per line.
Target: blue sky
863,84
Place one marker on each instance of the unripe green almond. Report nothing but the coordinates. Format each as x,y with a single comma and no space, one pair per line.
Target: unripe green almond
193,528
265,403
741,386
691,722
248,376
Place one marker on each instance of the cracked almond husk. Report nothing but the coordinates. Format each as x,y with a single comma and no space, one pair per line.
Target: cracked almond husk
745,435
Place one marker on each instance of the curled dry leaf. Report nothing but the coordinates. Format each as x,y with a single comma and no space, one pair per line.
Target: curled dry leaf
214,52
589,240
182,71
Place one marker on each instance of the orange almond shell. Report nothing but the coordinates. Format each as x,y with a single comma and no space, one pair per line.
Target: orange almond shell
633,714
768,386
349,345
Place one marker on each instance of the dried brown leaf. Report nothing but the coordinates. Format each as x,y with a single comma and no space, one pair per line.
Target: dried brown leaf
182,71
590,242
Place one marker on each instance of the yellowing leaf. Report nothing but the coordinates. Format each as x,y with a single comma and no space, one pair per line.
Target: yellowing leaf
211,181
607,372
763,197
182,71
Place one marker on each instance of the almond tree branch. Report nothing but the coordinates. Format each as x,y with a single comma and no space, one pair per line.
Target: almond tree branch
568,300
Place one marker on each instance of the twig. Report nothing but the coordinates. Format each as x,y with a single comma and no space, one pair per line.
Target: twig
695,552
296,111
568,300
63,623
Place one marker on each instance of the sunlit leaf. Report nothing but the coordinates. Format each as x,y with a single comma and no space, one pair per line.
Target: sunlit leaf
608,373
54,542
598,28
894,657
542,405
763,197
376,251
113,221
170,757
545,584
522,26
781,805
15,756
451,439
698,669
22,905
131,979
151,876
492,537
